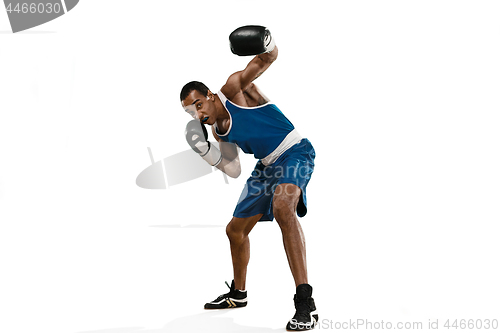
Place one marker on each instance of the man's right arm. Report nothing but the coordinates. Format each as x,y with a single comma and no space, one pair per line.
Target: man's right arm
226,159
230,163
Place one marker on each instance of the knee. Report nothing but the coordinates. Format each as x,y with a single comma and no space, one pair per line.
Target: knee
234,233
238,229
286,197
284,213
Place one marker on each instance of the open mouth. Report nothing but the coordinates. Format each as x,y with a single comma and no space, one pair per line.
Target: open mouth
204,120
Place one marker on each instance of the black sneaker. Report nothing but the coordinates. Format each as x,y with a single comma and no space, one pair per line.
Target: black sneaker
305,317
233,299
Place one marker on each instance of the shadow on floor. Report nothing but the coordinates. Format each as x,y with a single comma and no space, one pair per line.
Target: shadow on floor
208,321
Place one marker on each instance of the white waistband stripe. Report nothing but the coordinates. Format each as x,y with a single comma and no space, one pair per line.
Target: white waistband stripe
291,139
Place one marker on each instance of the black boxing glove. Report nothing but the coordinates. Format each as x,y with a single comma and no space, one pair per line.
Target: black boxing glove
251,40
197,138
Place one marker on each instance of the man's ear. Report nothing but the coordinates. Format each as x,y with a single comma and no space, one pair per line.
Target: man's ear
210,96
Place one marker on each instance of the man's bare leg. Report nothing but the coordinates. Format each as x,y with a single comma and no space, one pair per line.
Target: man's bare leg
286,197
237,231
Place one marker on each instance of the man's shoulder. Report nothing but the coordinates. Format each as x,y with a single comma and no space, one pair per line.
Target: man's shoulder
232,86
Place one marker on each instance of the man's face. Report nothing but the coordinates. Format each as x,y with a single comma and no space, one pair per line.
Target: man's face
200,107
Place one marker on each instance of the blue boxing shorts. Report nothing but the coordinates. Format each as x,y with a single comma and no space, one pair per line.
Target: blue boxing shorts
294,166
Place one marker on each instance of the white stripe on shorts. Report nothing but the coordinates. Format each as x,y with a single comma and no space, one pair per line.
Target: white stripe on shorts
291,139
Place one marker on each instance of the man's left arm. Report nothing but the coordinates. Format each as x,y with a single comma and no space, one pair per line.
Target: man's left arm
250,40
257,66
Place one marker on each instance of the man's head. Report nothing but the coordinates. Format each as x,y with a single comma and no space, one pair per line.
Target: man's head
199,102
194,85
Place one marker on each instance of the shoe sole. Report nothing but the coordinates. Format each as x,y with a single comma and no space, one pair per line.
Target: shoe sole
229,304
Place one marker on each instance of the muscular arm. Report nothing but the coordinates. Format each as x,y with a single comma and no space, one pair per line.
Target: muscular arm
237,85
241,80
230,163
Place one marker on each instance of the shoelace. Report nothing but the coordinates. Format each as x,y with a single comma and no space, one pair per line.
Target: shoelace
226,294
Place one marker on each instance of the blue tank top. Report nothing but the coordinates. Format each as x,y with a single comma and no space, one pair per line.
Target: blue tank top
256,130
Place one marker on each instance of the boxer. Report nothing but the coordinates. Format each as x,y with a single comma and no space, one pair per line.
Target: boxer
241,116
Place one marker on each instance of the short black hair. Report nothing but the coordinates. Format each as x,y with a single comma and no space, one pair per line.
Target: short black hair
193,85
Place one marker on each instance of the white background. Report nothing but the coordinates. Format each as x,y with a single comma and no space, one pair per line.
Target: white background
399,98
